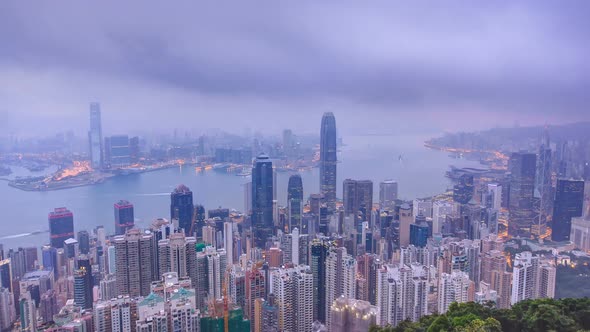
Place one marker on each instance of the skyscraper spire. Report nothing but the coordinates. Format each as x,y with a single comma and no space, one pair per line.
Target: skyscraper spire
328,159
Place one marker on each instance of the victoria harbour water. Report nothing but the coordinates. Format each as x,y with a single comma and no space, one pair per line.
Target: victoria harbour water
419,171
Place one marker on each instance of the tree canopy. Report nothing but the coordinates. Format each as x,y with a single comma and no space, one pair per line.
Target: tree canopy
562,315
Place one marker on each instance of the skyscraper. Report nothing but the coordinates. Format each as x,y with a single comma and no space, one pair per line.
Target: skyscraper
319,253
182,209
358,196
419,233
340,278
95,137
328,159
61,226
117,151
124,217
569,203
543,189
178,254
83,242
295,201
350,315
387,194
262,200
293,291
454,287
83,284
134,252
522,168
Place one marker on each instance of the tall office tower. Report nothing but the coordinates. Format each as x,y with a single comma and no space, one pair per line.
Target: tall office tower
84,242
182,209
494,195
248,197
7,309
293,292
569,203
256,285
124,217
454,287
61,226
83,288
524,277
402,293
546,281
28,313
419,233
31,259
340,277
262,200
178,254
423,207
522,168
440,211
387,195
464,190
49,260
134,263
405,219
358,197
6,274
580,233
295,201
328,160
543,183
228,241
350,315
367,266
117,151
18,263
319,254
116,315
95,137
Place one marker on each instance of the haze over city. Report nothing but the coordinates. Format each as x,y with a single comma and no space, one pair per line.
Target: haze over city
199,66
294,167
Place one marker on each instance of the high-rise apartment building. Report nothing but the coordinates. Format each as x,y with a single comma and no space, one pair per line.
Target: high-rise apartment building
124,217
340,278
388,191
61,226
526,280
116,315
402,293
95,137
295,201
182,209
293,292
262,200
178,254
454,287
569,203
522,168
134,252
328,160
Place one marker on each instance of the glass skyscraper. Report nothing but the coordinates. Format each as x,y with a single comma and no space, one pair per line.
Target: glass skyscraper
522,167
262,197
61,226
569,202
328,159
124,217
182,208
95,137
295,201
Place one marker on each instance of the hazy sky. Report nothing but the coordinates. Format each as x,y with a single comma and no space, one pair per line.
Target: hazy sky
380,66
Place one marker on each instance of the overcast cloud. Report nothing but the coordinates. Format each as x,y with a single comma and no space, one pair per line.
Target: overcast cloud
273,65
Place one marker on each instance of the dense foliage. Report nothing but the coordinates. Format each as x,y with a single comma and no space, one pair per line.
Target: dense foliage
565,315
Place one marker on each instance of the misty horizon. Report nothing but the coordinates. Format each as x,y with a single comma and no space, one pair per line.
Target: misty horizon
382,67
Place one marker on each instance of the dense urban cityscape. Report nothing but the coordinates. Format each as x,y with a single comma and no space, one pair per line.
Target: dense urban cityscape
328,262
305,166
